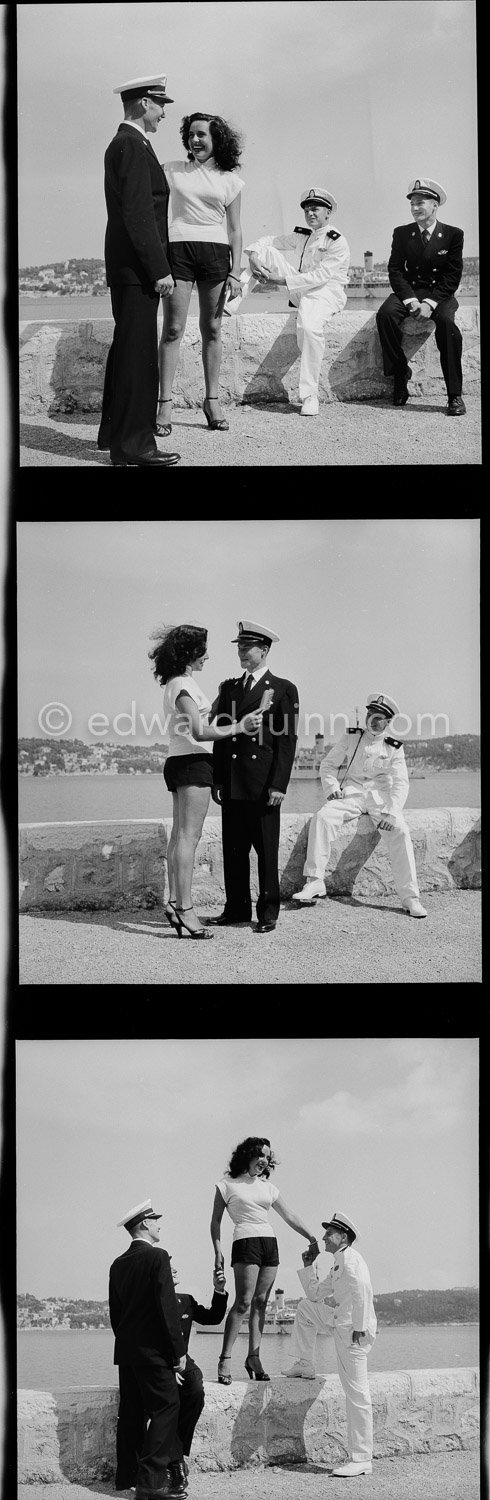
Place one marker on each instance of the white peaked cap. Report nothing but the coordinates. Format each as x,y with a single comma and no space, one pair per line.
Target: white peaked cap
156,84
428,186
250,629
340,1221
140,1211
319,195
382,701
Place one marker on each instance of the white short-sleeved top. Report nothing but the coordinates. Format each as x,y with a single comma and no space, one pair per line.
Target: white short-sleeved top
181,739
248,1202
199,198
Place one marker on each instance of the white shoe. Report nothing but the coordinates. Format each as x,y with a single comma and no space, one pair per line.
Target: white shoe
310,407
311,891
349,1471
415,909
302,1370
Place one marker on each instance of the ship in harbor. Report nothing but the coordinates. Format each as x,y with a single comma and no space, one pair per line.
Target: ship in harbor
279,1317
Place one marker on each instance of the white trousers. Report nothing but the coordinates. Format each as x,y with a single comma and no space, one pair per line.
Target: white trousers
313,1318
325,827
314,309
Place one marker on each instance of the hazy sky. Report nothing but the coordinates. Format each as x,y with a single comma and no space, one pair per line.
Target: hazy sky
359,606
358,96
382,1130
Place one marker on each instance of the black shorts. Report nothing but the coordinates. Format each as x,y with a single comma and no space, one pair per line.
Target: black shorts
188,770
257,1251
196,260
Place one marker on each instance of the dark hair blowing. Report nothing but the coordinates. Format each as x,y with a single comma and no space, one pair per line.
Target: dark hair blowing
176,647
227,143
243,1153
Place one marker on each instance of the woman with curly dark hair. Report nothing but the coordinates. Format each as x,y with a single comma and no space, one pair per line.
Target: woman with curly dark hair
204,230
179,653
247,1194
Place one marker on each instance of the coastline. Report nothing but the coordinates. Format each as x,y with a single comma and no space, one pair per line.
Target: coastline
299,773
410,1323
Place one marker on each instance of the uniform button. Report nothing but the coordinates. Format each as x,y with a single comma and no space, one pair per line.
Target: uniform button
233,739
233,757
254,739
254,757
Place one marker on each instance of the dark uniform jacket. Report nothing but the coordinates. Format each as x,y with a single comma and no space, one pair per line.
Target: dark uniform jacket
143,1307
245,765
435,269
136,191
190,1311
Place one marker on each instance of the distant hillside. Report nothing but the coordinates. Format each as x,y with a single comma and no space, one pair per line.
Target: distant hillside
453,752
458,1305
44,756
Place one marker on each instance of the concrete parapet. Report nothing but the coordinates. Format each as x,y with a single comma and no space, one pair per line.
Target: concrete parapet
70,1435
122,865
62,363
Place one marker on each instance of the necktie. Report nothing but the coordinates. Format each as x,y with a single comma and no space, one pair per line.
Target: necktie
425,237
248,682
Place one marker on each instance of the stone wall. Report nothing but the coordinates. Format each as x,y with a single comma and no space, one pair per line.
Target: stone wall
62,363
122,865
70,1435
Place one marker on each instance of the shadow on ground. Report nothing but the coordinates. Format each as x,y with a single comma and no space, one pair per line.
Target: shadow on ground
49,440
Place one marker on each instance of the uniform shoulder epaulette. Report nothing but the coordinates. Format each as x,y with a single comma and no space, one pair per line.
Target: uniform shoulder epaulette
354,731
300,229
396,743
333,234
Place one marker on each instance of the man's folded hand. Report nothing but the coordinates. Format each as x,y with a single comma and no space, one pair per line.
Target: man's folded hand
311,1254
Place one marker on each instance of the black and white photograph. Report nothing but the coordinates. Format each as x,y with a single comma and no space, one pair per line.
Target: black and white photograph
249,753
207,1311
248,235
241,748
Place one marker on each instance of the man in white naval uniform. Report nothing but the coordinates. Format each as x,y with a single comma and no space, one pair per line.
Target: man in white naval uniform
315,286
375,781
342,1302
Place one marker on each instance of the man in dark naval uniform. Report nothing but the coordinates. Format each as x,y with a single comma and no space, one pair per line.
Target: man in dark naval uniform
138,273
150,1350
132,1418
251,775
425,269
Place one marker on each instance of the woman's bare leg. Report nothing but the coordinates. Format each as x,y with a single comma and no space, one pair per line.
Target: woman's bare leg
172,885
265,1282
193,806
245,1283
210,315
175,310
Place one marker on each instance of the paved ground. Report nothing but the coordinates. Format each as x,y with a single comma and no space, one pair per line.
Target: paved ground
346,433
343,941
431,1476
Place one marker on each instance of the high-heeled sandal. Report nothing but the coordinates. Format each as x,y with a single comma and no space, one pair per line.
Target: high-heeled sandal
224,1379
255,1374
203,932
217,425
165,429
171,914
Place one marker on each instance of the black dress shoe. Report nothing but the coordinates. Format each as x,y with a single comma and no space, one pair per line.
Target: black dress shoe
225,921
170,1487
178,1472
148,461
455,406
400,388
266,926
